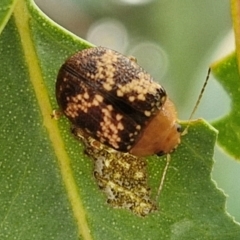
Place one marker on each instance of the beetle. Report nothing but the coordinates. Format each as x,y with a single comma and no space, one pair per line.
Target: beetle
115,101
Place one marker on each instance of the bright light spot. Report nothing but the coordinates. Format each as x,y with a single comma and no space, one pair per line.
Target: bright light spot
108,33
151,57
132,2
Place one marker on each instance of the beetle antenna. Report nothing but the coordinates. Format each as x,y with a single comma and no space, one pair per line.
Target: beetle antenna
183,133
198,101
163,176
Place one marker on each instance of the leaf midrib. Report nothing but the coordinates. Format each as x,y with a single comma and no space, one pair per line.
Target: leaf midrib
21,15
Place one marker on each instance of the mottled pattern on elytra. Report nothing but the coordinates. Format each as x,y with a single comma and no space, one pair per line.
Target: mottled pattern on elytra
121,176
108,96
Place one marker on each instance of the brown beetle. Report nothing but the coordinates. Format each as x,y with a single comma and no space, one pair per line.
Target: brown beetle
112,99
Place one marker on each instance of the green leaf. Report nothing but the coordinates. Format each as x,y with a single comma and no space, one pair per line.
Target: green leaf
235,10
226,71
6,8
47,189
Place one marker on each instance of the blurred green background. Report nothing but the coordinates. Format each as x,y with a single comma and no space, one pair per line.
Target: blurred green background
175,41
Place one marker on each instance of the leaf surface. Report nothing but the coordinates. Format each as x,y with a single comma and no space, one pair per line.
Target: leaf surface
47,189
